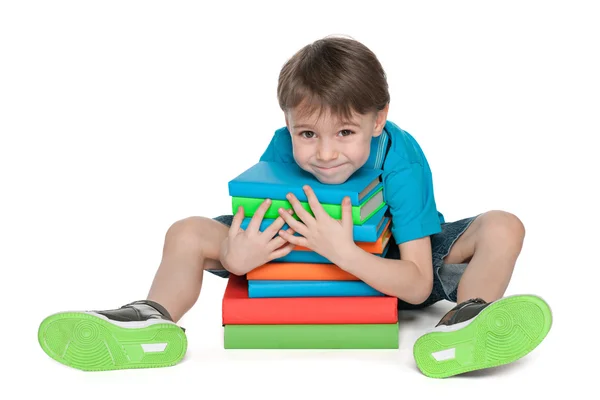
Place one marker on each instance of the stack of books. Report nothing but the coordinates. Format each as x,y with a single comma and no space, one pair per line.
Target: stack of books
303,300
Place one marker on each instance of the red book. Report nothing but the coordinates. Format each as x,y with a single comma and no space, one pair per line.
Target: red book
239,309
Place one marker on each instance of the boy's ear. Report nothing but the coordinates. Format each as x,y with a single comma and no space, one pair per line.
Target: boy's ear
380,120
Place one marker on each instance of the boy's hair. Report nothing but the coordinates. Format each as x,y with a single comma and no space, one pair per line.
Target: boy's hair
335,73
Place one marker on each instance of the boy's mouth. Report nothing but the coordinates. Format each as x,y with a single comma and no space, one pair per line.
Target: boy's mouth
328,168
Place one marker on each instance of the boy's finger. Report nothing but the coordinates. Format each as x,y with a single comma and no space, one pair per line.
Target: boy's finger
276,243
257,218
235,228
276,225
314,203
295,240
347,213
293,223
279,241
300,211
281,252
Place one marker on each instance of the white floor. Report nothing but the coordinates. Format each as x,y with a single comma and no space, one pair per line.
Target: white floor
119,118
208,368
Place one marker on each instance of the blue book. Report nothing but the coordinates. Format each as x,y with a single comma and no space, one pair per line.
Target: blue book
367,232
312,257
263,289
274,180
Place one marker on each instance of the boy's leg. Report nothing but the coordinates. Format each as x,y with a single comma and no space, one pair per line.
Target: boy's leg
142,334
474,260
490,246
191,246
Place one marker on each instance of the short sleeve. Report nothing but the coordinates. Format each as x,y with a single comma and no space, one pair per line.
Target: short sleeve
279,148
408,191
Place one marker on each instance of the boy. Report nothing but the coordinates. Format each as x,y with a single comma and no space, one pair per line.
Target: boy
335,99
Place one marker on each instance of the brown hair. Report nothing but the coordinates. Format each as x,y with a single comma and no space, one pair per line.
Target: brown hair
337,73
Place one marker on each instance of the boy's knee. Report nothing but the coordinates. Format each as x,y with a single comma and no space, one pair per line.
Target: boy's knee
503,227
188,232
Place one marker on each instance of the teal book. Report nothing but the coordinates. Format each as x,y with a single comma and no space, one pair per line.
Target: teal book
275,180
367,232
293,288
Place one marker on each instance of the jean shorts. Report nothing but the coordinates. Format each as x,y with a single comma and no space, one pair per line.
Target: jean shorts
445,276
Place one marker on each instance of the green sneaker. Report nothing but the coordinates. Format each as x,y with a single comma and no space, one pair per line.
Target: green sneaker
476,335
138,335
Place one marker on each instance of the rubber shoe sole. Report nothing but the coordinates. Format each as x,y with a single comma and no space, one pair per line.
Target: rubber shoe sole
89,342
503,332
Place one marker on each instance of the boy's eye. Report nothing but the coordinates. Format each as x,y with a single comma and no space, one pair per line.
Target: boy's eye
311,134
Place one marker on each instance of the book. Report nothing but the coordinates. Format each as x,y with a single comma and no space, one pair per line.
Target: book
376,247
360,213
313,257
288,288
368,232
239,309
300,272
275,180
307,336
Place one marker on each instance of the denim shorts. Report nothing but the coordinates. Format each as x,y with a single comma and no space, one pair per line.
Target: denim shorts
445,276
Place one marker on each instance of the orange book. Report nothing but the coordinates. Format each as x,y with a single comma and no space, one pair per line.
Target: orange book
370,247
239,309
300,272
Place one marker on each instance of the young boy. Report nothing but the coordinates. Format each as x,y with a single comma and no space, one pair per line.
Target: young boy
335,99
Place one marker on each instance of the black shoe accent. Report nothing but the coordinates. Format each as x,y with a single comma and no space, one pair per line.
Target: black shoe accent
463,312
141,310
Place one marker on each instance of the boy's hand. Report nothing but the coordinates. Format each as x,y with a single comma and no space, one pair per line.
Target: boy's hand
242,251
322,234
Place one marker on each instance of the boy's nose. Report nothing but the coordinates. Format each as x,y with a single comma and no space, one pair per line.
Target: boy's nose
326,153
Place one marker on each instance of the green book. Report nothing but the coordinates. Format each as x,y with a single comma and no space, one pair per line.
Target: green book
360,213
324,336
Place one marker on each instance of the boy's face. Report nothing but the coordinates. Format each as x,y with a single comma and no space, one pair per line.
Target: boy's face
329,148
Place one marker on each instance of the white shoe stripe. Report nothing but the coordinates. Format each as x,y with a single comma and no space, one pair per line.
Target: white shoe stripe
444,355
154,347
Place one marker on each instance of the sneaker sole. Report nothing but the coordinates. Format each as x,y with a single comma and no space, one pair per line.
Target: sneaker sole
90,343
503,332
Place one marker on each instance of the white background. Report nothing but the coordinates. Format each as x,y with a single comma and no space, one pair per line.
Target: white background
120,117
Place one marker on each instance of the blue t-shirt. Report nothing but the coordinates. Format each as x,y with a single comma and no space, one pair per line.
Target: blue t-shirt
407,180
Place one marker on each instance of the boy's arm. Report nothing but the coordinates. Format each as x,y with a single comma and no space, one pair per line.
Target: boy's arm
408,190
410,278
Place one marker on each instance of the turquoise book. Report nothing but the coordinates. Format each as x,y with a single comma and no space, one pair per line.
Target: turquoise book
274,180
296,256
268,288
367,232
